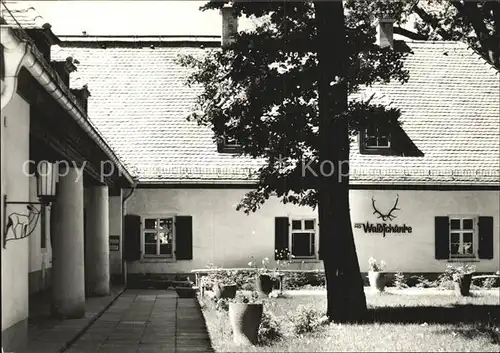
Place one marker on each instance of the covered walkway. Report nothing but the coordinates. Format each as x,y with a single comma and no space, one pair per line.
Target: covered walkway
138,321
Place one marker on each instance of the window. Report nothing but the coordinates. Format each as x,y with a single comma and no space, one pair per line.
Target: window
228,145
225,144
463,237
158,237
162,236
375,139
303,238
462,233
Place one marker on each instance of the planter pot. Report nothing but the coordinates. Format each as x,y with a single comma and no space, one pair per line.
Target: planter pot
245,321
186,292
462,284
264,284
377,280
224,291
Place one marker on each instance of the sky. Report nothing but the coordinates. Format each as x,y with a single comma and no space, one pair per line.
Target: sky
130,17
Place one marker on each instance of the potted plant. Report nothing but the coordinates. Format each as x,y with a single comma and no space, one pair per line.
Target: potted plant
282,262
220,281
462,278
224,285
245,315
376,276
263,280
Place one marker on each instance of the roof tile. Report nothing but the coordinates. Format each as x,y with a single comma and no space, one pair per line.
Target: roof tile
21,13
450,110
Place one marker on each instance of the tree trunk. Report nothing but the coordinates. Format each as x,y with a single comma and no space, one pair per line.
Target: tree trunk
345,289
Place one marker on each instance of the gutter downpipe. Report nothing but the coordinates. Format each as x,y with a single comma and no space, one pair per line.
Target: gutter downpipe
124,212
39,72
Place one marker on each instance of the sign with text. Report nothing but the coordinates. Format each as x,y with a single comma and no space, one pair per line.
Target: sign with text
384,228
114,243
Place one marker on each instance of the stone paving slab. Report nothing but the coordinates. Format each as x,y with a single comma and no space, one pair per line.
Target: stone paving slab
49,335
138,321
147,321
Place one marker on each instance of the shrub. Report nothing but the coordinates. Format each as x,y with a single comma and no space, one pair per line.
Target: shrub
426,283
222,304
400,281
489,283
456,271
270,328
245,279
305,319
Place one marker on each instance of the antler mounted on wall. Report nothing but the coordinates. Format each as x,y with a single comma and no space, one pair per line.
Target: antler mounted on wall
389,215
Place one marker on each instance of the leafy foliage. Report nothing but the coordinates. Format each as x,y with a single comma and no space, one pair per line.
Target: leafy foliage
262,91
400,281
476,23
270,328
305,319
376,266
456,272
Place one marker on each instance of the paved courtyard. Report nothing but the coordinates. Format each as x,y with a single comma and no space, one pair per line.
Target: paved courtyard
147,321
138,321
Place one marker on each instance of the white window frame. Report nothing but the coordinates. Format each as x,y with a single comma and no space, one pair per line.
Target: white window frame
377,137
143,236
461,231
291,231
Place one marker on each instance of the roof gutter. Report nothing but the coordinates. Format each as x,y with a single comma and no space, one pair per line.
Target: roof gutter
40,72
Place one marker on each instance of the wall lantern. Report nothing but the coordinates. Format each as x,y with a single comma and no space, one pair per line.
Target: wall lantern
21,225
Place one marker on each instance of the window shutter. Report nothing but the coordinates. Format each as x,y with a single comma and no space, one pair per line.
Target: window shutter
280,236
184,238
485,237
132,238
442,237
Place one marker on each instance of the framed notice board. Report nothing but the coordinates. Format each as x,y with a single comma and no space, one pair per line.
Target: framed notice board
114,243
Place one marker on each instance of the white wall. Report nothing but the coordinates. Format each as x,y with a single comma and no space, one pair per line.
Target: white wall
15,150
228,238
39,258
115,228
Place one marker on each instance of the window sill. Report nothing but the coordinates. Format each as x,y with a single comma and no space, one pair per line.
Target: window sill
385,151
465,259
157,259
306,261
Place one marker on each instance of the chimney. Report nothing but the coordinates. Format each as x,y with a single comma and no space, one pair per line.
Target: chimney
82,95
385,32
229,25
64,68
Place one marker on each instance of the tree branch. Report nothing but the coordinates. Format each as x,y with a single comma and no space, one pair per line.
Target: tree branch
470,12
409,34
432,21
495,11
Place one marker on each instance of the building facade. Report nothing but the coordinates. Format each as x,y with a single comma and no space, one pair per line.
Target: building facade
141,190
426,197
53,239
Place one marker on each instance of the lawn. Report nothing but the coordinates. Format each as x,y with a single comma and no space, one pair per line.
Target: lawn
401,321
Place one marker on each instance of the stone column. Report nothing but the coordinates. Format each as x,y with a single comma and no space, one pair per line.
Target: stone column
97,242
68,273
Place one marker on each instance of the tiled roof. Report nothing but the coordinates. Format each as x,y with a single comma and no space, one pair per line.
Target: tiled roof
21,13
450,110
